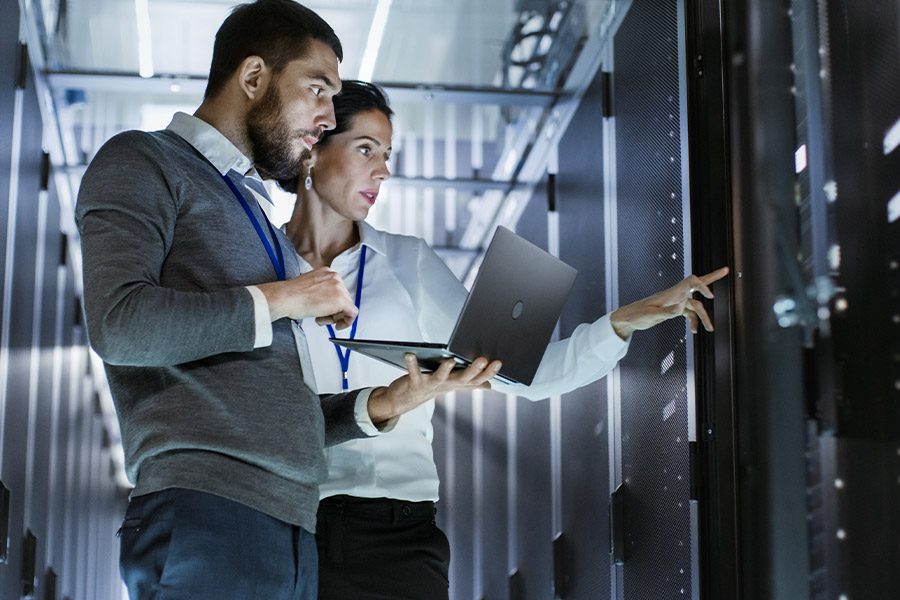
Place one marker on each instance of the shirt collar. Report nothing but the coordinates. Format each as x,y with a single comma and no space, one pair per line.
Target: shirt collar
371,237
210,142
368,236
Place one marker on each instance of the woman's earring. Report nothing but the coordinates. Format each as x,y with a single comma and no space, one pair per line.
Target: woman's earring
307,183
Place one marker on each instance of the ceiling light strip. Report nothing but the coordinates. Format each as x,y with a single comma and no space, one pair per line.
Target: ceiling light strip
145,41
373,44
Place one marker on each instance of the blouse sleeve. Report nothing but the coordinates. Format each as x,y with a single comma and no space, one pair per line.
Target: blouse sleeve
592,351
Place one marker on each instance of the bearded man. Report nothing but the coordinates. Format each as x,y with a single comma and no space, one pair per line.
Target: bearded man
193,300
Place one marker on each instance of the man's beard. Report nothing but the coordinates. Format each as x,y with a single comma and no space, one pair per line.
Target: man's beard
276,151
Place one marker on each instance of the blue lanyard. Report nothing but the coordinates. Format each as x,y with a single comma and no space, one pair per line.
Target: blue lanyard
275,254
344,353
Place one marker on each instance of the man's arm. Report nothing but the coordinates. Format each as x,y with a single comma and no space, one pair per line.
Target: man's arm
126,215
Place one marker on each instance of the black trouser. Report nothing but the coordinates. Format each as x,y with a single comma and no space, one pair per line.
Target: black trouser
180,544
380,549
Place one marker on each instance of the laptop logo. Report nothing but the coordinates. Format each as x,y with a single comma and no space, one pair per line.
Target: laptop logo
517,309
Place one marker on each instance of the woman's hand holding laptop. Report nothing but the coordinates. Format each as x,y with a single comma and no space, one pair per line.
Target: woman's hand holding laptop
386,404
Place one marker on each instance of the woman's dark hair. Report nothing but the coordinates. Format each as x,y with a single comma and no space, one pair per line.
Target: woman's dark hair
355,97
278,31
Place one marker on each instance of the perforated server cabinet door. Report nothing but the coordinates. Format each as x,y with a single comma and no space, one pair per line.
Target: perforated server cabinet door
656,388
533,524
22,144
581,569
459,493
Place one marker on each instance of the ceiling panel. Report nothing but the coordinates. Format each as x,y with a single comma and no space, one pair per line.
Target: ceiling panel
428,41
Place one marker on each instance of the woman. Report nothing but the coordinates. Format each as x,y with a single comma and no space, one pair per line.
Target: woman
376,533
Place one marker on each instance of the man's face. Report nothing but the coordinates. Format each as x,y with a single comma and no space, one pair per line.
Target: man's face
293,112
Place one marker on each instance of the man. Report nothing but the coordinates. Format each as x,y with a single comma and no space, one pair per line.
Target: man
193,301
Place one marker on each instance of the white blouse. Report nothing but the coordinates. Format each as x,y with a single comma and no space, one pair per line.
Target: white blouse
409,294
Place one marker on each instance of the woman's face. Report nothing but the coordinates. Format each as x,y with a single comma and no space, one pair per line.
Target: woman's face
350,168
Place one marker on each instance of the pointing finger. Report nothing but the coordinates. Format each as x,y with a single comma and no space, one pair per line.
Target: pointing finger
714,276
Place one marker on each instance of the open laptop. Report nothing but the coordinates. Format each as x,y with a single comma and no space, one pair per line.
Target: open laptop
509,315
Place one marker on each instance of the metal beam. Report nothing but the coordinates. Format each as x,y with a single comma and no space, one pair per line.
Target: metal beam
421,183
400,92
524,159
194,85
462,185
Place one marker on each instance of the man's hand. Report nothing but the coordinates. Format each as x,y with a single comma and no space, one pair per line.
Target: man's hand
415,388
676,301
320,293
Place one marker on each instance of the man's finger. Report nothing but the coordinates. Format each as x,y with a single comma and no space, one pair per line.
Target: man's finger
341,321
344,318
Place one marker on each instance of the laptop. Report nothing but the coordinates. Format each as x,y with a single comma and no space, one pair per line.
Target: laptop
509,314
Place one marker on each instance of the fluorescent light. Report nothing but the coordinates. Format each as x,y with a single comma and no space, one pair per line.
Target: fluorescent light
800,159
892,138
373,44
894,208
145,42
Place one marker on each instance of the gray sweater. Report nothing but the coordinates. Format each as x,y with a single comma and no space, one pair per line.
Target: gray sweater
167,251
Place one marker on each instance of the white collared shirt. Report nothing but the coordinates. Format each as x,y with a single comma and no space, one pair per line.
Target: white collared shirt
410,294
225,157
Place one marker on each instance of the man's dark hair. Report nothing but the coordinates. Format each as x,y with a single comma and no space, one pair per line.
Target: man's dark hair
355,97
278,31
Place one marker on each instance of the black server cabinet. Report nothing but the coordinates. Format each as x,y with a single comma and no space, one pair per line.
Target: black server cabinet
22,175
459,489
531,574
542,527
581,552
659,532
56,521
860,456
797,108
492,524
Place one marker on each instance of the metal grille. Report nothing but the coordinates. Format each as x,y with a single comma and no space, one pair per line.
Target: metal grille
585,447
654,424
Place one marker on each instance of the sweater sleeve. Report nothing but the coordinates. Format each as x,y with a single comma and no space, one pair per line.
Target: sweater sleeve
126,213
345,416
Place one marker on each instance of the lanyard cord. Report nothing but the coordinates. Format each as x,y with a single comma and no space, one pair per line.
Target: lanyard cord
344,353
275,255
